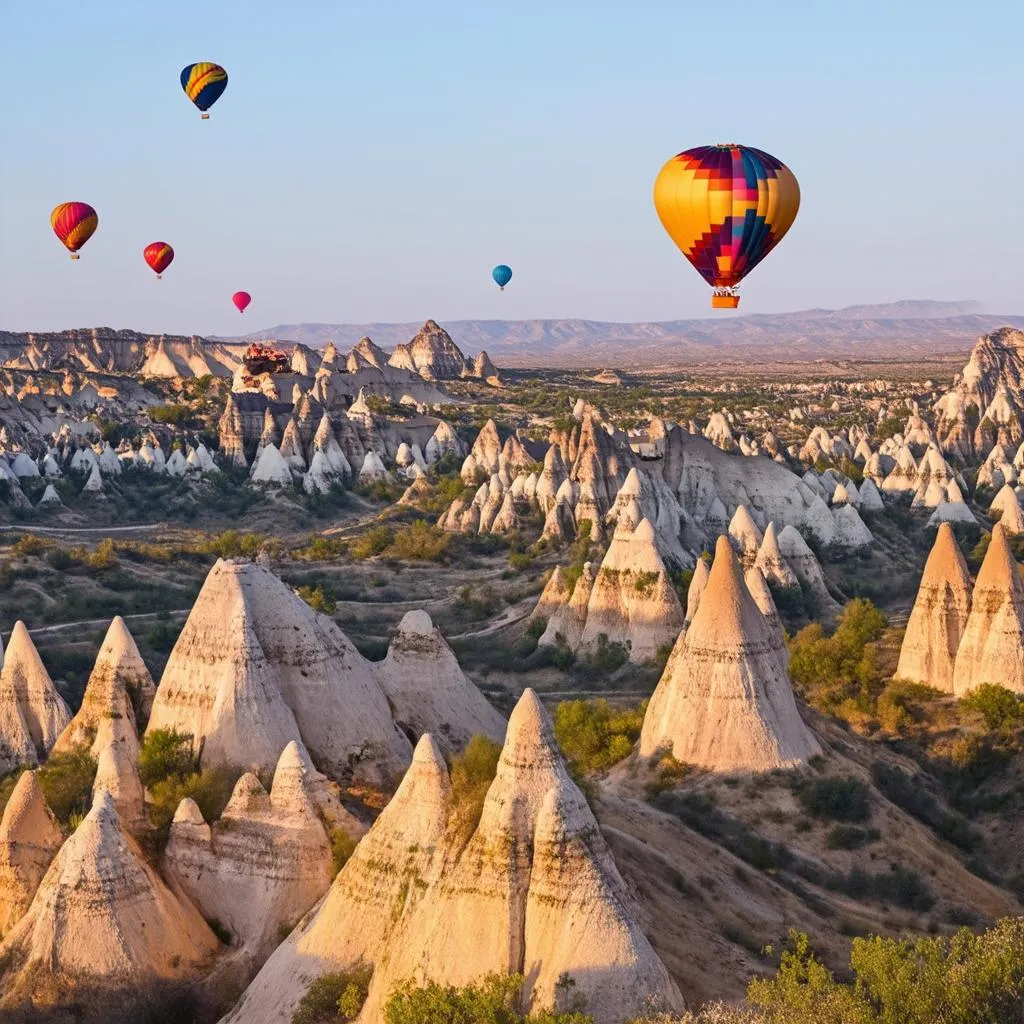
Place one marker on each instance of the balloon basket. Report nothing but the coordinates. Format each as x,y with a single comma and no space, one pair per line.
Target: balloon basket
204,117
159,277
74,255
725,301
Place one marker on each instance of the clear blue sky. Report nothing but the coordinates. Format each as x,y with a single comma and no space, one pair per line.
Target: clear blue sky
372,159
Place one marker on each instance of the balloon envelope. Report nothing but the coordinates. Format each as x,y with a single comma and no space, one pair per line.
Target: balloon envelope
73,224
502,275
204,83
241,300
158,255
726,207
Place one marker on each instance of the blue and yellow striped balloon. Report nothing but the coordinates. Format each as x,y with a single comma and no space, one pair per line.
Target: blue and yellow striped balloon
204,83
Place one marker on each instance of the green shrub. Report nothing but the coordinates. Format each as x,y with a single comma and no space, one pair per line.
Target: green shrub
908,793
593,735
372,543
319,599
419,542
173,412
495,999
28,546
321,549
342,847
334,998
210,788
961,979
1001,708
472,773
67,780
841,798
850,837
165,753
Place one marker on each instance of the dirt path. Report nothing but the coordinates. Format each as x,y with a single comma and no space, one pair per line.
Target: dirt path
59,530
86,623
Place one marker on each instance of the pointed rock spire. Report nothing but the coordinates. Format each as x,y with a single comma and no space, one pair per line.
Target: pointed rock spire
724,701
698,583
29,838
939,617
992,647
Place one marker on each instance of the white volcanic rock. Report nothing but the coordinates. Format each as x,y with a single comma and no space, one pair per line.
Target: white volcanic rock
870,498
507,518
774,568
719,433
372,468
255,667
444,441
32,713
939,616
119,683
758,587
118,775
29,838
320,476
633,602
951,512
177,464
263,864
699,580
1012,519
94,485
428,691
850,533
291,447
50,498
101,913
201,461
50,466
800,558
23,466
555,594
566,622
270,467
486,449
83,460
432,354
725,701
745,535
326,443
992,647
846,494
902,478
552,478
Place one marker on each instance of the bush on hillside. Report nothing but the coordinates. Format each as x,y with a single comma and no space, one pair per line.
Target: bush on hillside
67,780
840,798
472,773
593,735
164,753
319,598
1001,708
334,998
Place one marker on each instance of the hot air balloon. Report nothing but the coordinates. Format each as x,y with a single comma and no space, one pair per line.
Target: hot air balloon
502,275
241,300
204,83
726,207
73,224
158,255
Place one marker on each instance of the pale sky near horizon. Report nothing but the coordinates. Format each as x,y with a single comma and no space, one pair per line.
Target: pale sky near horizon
371,160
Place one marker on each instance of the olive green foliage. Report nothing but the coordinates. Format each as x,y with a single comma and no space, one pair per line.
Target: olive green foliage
170,773
1001,708
173,412
961,979
594,735
334,998
841,798
839,671
320,549
319,598
66,780
235,544
472,772
495,999
342,847
420,542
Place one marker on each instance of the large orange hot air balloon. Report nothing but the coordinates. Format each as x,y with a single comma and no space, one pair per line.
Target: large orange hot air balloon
726,207
73,224
158,255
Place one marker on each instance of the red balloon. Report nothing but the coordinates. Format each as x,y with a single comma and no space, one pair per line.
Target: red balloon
241,300
158,255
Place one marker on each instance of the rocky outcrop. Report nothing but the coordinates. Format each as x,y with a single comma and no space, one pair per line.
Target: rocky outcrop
428,691
939,617
255,668
29,838
432,354
725,701
102,914
32,713
263,863
534,891
992,647
566,622
801,559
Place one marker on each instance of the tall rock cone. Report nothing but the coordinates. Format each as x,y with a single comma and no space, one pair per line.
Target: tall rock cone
263,864
28,696
427,689
633,602
566,623
773,566
579,922
724,701
762,595
255,668
102,914
939,617
119,685
116,772
29,838
372,898
698,584
992,647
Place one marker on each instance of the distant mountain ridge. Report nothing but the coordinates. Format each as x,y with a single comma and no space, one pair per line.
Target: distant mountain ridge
917,327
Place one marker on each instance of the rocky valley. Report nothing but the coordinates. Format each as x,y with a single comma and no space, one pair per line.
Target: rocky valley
344,682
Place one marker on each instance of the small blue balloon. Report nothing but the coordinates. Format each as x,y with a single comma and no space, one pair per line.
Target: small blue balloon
502,275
